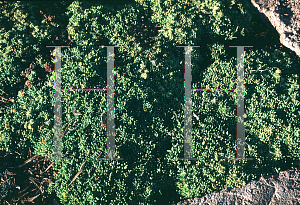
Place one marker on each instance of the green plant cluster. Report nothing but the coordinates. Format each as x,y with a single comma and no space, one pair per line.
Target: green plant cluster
149,101
25,30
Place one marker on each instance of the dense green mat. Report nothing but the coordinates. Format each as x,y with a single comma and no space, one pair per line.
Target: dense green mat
149,97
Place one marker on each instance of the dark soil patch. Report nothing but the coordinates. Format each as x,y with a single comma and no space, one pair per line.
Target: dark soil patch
25,181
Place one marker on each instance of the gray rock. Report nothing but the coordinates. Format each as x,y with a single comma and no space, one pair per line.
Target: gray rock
284,16
282,188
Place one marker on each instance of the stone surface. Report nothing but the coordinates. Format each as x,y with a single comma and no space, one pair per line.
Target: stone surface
282,188
284,16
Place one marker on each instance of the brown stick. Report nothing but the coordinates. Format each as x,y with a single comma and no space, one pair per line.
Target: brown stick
25,194
33,198
3,91
64,132
49,167
31,179
7,202
29,160
79,172
18,153
30,172
3,98
196,116
26,162
20,192
264,70
74,123
9,173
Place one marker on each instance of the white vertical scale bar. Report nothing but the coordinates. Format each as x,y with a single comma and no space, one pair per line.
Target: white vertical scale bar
188,152
240,104
110,105
57,140
57,107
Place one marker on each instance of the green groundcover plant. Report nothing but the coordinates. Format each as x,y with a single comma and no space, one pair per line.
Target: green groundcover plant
149,100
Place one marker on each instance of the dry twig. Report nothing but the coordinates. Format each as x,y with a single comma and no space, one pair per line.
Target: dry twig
48,167
20,192
76,113
29,160
196,116
9,173
26,162
32,180
25,194
264,70
3,98
32,198
65,131
74,123
7,202
3,91
79,172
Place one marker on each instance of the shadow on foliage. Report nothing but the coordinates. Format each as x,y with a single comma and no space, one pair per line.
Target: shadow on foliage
117,4
41,11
